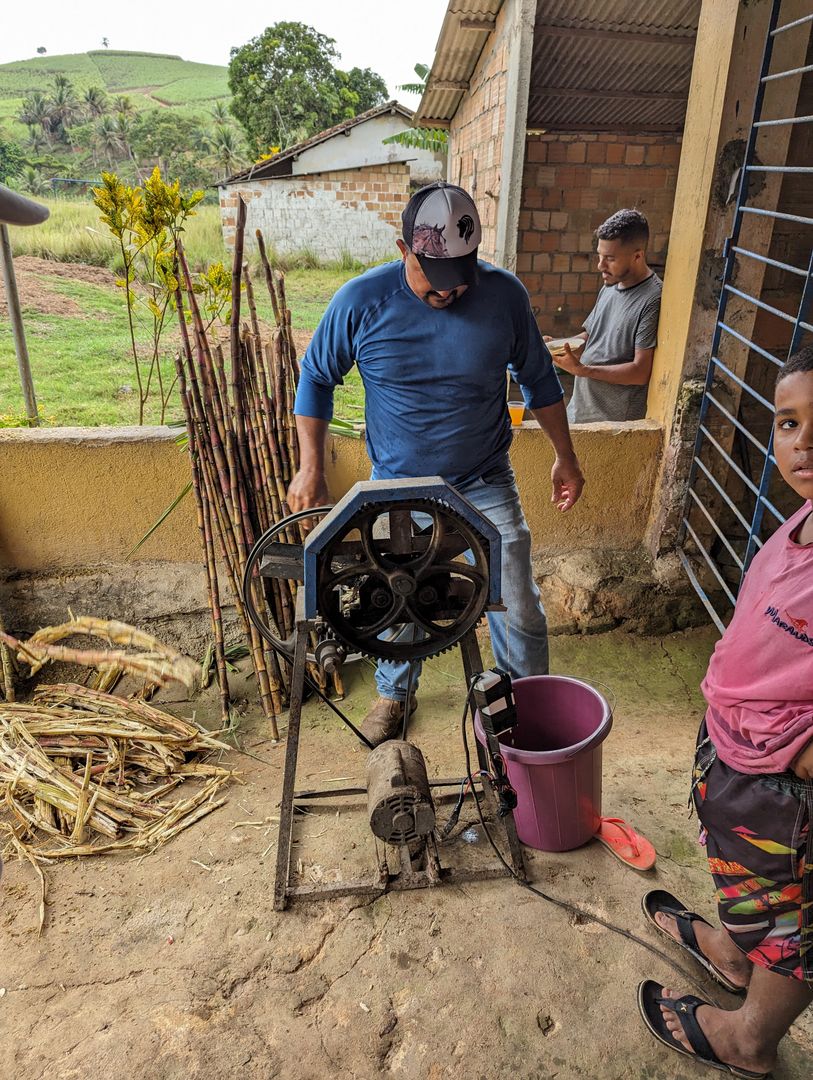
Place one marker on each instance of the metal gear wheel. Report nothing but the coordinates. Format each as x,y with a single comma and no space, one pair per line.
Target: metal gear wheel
389,570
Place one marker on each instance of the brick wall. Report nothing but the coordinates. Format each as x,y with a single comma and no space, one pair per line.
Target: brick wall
476,133
355,211
571,184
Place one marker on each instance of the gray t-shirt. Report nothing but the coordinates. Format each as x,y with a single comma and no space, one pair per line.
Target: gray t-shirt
622,321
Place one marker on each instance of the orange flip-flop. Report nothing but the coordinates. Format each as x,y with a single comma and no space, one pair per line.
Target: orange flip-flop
626,844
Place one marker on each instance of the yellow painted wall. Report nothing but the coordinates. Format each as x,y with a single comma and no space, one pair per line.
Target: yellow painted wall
697,161
77,497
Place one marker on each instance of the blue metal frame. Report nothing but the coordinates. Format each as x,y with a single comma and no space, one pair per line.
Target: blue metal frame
723,465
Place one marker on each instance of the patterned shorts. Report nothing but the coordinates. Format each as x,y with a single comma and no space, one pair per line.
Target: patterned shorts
755,829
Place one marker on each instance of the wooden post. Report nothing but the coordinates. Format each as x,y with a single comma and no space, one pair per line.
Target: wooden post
16,317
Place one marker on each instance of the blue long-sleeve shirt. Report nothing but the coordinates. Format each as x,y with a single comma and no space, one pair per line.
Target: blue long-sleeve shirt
434,380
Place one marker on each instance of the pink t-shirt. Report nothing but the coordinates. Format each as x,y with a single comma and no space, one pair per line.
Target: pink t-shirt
759,685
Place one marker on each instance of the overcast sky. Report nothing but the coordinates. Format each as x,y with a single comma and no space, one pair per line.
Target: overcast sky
386,36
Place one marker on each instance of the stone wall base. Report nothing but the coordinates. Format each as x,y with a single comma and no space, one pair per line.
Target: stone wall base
599,590
583,592
167,600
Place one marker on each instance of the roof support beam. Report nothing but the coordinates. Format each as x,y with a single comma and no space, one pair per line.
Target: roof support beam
433,122
448,84
478,24
520,15
631,36
585,92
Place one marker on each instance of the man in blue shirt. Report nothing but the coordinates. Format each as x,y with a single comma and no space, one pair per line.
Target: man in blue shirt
433,336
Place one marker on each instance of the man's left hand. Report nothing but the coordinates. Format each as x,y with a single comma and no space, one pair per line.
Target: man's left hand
567,482
568,361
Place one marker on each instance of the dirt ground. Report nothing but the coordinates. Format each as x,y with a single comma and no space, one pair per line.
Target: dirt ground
32,276
176,966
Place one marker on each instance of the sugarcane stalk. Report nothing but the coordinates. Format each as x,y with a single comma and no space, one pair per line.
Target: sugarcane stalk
252,306
269,276
203,519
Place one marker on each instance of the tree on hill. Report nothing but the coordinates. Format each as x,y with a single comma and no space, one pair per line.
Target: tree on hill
41,51
35,113
221,113
285,86
227,149
95,101
63,108
106,42
108,139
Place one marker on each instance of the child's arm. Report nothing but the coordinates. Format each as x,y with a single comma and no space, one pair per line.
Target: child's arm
802,764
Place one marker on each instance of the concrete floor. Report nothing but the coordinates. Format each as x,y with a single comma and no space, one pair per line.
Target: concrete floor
175,966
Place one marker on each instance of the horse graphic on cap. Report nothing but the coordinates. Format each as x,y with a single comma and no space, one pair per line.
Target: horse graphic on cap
429,240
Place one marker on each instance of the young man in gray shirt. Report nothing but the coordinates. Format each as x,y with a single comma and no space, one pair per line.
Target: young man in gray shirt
613,368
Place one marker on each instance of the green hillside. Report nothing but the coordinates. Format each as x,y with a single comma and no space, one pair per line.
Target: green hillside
151,80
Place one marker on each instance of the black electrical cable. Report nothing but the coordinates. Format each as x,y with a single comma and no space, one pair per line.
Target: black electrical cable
253,614
574,909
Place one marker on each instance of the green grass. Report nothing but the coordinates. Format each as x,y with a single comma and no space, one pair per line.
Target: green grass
206,88
82,364
73,233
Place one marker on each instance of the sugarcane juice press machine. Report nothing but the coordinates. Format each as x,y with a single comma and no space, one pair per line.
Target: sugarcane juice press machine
397,570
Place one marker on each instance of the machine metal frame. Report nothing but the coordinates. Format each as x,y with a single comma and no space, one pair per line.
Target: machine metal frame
425,871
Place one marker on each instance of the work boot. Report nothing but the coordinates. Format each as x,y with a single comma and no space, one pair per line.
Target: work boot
385,719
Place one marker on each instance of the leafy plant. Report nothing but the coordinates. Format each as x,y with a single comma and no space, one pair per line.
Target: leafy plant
434,139
146,222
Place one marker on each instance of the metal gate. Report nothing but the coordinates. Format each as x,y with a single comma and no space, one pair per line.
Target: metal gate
735,498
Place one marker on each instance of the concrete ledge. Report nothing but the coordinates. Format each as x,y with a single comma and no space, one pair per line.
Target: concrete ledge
74,498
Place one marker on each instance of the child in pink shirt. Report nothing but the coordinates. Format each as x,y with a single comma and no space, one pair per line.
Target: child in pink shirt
753,790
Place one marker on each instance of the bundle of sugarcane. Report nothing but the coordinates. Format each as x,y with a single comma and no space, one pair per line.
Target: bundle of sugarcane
84,773
152,661
244,453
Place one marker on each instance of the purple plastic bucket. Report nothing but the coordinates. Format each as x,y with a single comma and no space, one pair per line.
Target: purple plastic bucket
553,760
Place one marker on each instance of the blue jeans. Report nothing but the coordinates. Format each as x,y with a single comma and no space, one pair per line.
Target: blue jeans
519,636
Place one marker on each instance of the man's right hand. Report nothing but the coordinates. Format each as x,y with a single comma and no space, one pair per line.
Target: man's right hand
308,488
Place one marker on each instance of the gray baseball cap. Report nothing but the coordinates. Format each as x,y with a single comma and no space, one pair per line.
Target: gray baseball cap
441,228
15,209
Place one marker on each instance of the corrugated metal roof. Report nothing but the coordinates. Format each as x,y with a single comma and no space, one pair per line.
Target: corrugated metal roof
456,56
673,17
609,65
602,65
261,170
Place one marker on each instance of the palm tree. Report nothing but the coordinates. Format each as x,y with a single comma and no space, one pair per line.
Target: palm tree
226,148
95,101
201,140
123,105
35,113
33,182
37,142
125,129
108,138
63,108
220,113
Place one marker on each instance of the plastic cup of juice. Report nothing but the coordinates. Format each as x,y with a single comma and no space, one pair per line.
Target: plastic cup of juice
516,410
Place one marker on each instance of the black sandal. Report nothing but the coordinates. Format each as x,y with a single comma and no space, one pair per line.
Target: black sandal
650,999
658,900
